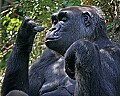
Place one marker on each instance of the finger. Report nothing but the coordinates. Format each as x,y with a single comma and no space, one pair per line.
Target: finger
26,18
31,24
38,29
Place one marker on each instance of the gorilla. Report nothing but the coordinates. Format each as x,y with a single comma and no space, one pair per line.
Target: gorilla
79,60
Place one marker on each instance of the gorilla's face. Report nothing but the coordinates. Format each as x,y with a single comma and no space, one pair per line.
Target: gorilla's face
68,25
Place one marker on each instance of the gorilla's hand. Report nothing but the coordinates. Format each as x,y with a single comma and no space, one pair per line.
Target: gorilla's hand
27,33
79,57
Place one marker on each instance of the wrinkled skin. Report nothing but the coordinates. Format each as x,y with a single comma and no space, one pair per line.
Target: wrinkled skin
77,48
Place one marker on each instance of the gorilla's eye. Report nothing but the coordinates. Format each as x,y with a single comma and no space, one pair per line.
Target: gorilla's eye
85,18
62,16
64,19
54,21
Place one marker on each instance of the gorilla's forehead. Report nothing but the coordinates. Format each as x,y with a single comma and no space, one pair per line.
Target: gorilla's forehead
90,9
78,8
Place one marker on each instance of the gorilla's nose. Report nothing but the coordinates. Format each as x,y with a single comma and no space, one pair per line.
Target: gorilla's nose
56,28
52,29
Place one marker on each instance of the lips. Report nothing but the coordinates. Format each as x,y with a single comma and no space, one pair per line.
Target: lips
52,39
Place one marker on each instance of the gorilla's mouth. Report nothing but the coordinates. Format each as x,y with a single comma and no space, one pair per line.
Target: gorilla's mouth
52,39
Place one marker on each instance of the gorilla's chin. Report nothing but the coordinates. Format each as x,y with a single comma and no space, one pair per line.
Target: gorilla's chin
53,45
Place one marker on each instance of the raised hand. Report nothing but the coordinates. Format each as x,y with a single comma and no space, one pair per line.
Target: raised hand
26,34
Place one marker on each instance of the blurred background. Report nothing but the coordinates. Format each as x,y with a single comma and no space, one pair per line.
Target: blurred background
12,12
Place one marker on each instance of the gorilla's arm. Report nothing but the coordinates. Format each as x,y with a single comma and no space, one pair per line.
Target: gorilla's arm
16,76
96,70
84,56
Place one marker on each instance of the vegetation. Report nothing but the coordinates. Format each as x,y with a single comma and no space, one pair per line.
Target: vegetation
12,12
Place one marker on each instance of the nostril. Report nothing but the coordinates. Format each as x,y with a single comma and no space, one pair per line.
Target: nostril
52,29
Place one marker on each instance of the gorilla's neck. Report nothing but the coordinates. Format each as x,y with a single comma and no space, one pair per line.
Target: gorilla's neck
103,42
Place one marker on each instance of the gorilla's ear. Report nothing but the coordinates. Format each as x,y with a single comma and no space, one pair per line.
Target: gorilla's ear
86,18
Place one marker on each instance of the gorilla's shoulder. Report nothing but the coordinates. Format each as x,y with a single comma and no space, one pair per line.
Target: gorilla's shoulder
47,58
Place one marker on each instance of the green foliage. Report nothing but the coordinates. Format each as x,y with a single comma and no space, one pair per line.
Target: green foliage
8,33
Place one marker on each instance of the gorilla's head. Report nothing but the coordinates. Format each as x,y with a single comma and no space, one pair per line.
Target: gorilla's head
73,23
